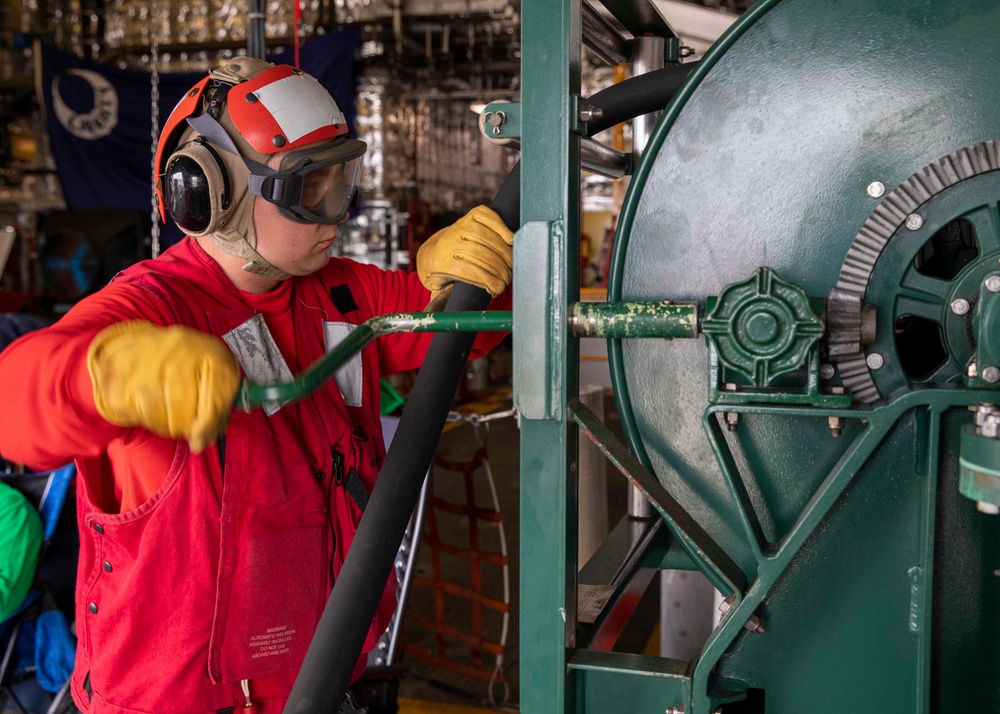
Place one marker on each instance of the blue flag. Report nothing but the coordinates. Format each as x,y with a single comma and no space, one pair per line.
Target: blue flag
99,117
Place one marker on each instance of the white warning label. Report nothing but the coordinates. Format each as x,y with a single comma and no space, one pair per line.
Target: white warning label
273,642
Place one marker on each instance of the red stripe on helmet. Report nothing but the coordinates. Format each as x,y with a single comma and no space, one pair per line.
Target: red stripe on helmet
171,134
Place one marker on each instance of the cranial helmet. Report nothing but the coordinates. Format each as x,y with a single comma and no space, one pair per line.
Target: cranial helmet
211,160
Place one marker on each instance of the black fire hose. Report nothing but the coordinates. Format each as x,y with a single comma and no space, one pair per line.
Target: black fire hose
643,94
341,632
340,635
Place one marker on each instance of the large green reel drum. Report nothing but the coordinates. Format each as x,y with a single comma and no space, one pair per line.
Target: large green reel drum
803,120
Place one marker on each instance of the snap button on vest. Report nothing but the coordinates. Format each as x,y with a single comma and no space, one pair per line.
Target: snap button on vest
93,608
107,566
99,528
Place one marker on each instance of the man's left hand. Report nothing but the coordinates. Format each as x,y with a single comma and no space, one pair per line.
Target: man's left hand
476,249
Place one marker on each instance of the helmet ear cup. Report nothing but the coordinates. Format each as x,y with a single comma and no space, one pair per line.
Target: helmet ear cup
196,188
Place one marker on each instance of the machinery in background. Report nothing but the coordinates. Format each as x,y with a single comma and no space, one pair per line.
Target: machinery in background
80,251
375,233
818,208
58,257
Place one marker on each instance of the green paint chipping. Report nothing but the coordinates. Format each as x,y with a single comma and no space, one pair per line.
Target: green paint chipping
253,395
621,320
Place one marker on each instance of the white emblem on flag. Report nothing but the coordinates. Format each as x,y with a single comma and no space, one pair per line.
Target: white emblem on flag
99,121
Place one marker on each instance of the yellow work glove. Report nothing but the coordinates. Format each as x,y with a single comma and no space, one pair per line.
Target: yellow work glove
476,249
174,381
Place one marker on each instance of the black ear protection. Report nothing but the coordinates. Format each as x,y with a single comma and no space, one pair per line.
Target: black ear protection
196,187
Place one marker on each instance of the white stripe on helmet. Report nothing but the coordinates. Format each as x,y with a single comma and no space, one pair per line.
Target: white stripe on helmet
300,105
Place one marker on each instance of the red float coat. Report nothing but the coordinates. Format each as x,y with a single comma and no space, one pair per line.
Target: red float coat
198,573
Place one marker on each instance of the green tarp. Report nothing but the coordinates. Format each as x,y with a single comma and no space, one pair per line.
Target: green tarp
20,541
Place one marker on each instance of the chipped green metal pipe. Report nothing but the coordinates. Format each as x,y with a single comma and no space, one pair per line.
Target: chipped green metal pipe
620,320
252,395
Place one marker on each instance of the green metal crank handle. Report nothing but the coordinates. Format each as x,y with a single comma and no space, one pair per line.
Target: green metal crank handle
253,395
620,320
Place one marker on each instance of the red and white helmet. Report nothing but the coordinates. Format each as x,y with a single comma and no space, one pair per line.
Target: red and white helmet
213,154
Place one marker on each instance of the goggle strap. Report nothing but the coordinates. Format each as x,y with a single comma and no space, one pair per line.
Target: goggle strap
254,184
212,130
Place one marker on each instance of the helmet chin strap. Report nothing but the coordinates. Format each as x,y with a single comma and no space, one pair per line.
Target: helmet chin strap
236,244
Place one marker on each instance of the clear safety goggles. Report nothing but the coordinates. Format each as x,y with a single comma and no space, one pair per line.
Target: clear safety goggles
315,184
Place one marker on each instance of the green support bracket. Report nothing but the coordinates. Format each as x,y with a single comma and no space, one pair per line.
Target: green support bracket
546,355
621,682
774,559
717,565
665,553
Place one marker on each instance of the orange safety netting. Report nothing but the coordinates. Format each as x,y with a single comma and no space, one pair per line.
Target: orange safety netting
469,659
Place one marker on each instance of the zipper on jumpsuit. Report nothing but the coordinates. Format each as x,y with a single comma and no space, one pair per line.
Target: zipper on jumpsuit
336,477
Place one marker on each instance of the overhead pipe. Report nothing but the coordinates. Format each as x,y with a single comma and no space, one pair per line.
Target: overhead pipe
620,102
601,37
256,31
347,617
595,157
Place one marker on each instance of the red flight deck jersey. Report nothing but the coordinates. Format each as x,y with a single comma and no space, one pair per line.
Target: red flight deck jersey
200,575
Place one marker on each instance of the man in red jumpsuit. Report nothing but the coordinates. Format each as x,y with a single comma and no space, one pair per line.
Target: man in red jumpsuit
210,540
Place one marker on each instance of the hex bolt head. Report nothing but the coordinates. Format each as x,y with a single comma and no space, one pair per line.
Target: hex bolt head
732,421
991,374
914,221
876,189
960,306
836,424
992,283
754,624
875,360
726,604
984,410
990,426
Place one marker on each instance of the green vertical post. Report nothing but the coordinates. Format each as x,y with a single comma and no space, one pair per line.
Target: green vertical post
546,281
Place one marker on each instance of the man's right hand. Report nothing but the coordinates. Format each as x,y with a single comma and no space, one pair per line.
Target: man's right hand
175,381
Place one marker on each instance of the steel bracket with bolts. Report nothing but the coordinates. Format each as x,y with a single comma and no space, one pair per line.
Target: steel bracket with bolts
500,122
985,325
